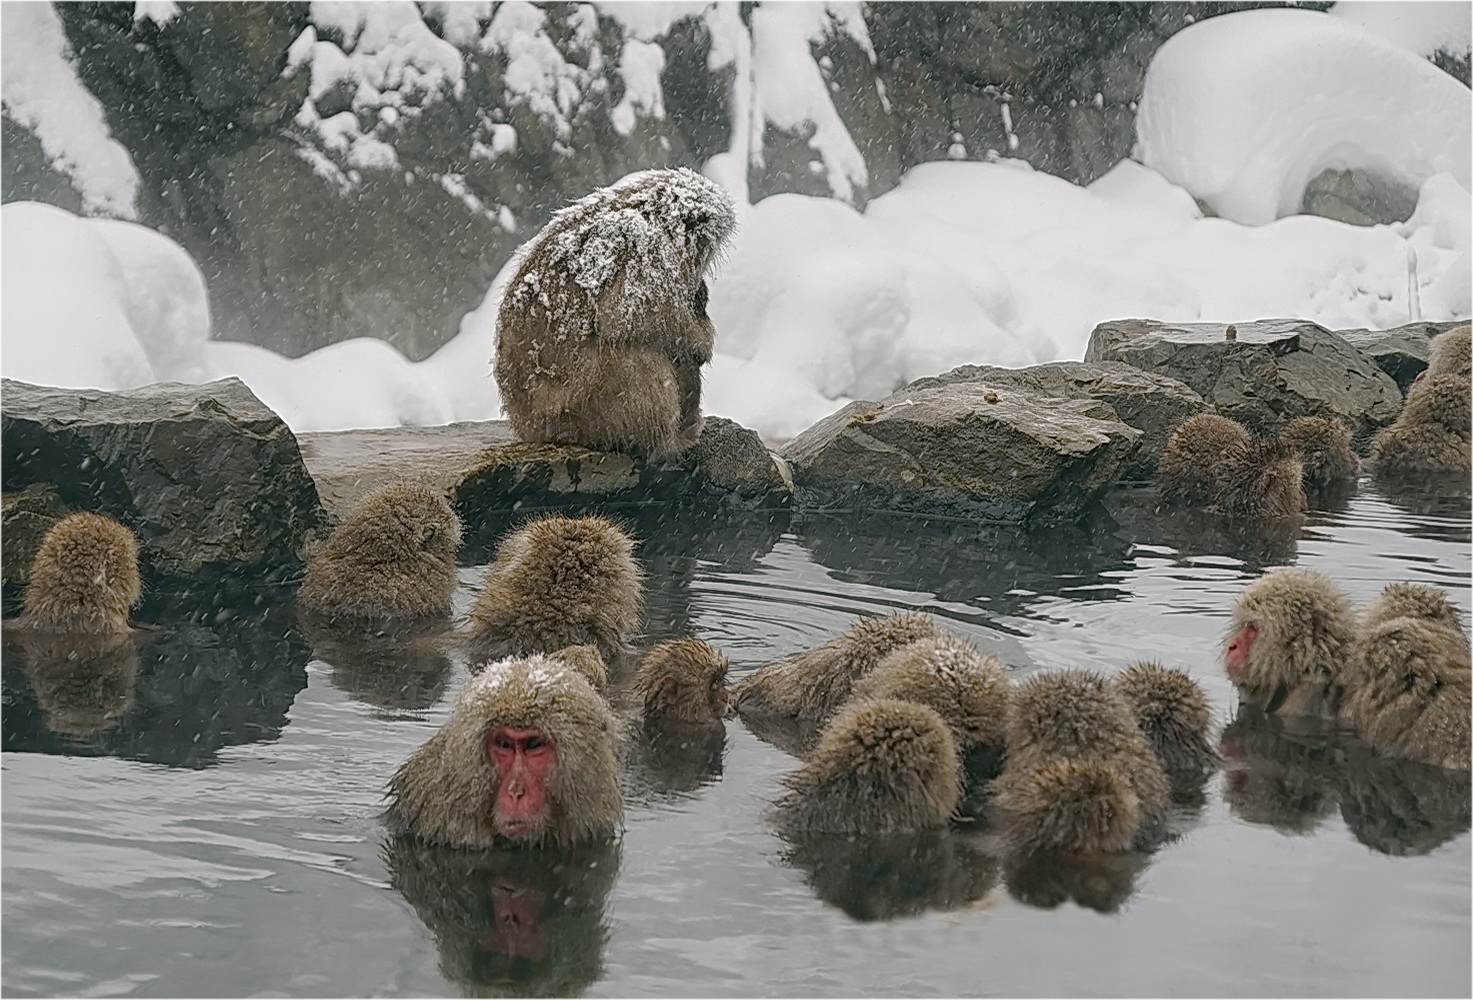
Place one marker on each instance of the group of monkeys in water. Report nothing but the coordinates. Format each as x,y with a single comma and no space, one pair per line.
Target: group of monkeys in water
601,337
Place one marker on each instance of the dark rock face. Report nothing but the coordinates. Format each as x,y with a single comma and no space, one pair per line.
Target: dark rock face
1274,371
27,515
1401,352
305,241
209,479
1153,404
970,449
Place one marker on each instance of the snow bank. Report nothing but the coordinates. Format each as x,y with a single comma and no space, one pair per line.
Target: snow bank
93,303
40,90
1245,109
1416,25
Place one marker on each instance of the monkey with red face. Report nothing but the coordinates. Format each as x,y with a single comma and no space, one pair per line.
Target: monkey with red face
527,756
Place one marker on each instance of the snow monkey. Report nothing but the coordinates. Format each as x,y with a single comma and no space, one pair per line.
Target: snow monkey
1432,433
603,330
1292,632
392,557
526,756
1409,678
1175,718
1080,775
84,578
1450,353
881,766
814,684
1211,461
683,681
558,581
1324,449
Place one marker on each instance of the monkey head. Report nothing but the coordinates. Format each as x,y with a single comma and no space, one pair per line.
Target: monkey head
84,578
683,680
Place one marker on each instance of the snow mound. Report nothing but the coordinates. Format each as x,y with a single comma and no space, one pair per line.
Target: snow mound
40,89
1416,25
99,304
1243,110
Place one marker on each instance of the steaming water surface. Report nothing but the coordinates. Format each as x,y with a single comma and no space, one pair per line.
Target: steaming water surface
219,833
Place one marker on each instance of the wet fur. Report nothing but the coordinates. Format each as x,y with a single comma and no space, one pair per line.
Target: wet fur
84,579
1432,433
445,792
1450,353
1176,719
1323,446
558,582
1212,461
1409,692
392,557
1305,634
612,360
691,666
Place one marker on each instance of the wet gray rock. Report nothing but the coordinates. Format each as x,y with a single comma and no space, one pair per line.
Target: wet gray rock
25,517
1401,352
1274,371
972,449
729,466
1151,403
1358,198
207,476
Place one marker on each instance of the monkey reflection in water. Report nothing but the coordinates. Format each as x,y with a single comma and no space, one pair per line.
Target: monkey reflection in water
511,921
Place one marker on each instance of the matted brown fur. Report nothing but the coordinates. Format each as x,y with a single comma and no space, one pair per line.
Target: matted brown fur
1175,717
1079,716
1451,353
1264,481
1070,805
558,581
1188,472
1324,449
445,791
1412,600
392,557
1432,433
880,766
84,578
814,684
586,660
603,330
1409,691
1305,632
675,681
968,689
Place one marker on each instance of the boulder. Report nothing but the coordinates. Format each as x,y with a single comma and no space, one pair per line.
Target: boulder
25,517
1401,352
1275,370
209,479
977,450
728,467
1153,404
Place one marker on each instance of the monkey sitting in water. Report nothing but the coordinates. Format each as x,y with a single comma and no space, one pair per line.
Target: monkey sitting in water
84,579
557,582
1292,634
603,330
392,557
1080,776
682,682
1211,461
1432,433
1323,446
527,756
1175,718
1409,678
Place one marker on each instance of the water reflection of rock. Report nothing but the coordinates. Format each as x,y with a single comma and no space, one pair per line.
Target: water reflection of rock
196,691
897,875
1101,882
83,684
1442,496
511,922
405,668
1010,566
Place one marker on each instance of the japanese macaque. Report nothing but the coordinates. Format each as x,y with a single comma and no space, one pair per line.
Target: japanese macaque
556,582
813,685
1211,461
1291,637
683,682
1409,678
1080,776
887,876
511,922
392,557
1323,446
586,660
1450,353
1432,433
603,329
968,689
527,756
881,766
84,579
1175,718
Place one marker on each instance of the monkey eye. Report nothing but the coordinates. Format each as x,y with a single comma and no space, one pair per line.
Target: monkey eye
533,743
505,743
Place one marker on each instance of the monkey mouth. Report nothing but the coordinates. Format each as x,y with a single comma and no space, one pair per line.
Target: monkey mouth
518,828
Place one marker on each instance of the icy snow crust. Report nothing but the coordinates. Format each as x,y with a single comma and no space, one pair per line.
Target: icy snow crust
1244,110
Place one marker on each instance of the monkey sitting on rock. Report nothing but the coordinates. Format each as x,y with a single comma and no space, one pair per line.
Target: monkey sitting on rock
391,558
556,582
603,330
526,756
1212,461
